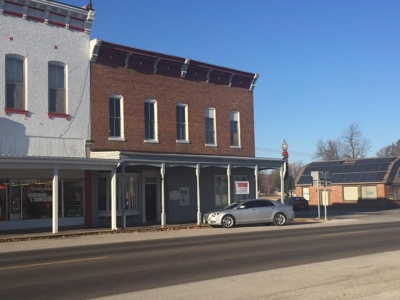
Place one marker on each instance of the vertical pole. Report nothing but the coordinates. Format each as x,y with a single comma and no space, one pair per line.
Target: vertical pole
123,196
228,174
114,199
163,215
282,183
256,178
319,212
325,200
55,201
198,194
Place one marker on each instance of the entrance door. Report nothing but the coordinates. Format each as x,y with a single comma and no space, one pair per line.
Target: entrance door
151,202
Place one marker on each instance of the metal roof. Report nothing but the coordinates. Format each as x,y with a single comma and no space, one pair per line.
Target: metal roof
188,160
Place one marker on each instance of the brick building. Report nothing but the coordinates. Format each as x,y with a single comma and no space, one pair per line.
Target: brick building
183,129
363,182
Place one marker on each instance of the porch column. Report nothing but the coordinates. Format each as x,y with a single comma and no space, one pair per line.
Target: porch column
228,174
114,199
256,177
163,215
55,201
199,221
123,196
282,173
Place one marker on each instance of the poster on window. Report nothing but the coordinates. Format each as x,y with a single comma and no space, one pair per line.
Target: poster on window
241,187
184,196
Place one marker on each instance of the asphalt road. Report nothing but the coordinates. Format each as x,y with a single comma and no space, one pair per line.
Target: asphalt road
108,269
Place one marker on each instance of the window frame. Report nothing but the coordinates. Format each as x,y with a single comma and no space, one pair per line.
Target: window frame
207,116
147,122
54,113
7,108
180,124
234,118
120,118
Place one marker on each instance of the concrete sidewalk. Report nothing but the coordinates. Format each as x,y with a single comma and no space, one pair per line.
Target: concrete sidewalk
68,237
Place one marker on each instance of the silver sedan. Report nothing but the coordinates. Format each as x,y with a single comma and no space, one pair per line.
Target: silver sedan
250,211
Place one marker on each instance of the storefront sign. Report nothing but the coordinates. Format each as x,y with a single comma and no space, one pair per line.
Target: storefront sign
37,193
242,187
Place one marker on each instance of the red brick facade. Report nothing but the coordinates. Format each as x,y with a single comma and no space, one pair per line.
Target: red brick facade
135,85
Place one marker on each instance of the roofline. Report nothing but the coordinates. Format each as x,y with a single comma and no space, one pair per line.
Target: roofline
171,58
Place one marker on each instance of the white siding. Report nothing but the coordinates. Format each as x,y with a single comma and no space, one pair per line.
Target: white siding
36,134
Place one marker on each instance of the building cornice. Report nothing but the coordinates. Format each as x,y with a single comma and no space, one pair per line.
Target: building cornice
50,13
169,65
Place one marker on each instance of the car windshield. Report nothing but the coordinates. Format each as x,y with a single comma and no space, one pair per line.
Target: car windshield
233,205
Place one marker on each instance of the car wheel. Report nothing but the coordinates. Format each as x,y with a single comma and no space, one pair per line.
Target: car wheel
228,221
279,219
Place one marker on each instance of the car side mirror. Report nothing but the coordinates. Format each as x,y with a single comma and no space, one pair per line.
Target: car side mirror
242,207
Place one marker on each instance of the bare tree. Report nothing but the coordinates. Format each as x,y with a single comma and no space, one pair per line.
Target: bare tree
352,144
269,181
295,167
329,150
391,150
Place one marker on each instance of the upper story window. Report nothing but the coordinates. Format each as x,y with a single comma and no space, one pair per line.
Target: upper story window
181,122
210,126
57,93
15,83
150,120
115,105
235,128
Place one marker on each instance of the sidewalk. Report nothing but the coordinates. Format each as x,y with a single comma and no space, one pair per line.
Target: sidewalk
303,218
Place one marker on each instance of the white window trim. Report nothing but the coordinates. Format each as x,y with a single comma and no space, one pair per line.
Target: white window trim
186,140
239,146
215,127
155,140
60,64
120,138
25,72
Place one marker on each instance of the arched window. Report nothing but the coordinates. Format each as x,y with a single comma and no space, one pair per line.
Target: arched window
150,121
210,126
116,113
235,128
181,122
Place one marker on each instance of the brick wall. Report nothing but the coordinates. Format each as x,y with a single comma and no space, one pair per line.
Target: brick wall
136,86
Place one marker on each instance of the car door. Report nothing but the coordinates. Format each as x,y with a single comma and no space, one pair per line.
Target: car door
247,213
265,210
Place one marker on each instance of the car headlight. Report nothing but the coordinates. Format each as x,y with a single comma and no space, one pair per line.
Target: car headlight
215,214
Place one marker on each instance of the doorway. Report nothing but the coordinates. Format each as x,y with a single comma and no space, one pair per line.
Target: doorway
151,201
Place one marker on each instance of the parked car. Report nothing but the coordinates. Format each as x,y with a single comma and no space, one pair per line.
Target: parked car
299,203
249,212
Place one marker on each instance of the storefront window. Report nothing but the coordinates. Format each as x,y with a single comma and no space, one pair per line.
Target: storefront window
32,199
131,193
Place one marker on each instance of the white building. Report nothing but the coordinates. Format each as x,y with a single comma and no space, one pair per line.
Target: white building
45,128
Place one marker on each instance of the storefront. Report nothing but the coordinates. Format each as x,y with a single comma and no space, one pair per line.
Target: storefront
49,192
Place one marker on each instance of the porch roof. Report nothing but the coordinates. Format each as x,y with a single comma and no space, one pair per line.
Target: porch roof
188,160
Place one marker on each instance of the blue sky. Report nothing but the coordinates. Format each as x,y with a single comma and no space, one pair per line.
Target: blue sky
323,64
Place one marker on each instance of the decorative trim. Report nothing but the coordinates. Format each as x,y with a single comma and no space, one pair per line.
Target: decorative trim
155,64
116,139
95,47
15,111
128,55
182,142
151,141
185,67
208,75
211,145
230,79
57,115
253,82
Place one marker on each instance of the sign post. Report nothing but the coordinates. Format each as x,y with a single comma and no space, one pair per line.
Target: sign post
321,178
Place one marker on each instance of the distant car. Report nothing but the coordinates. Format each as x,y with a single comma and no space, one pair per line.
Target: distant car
250,212
299,203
